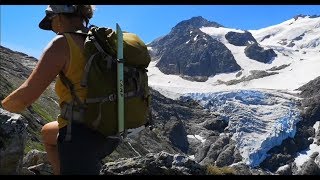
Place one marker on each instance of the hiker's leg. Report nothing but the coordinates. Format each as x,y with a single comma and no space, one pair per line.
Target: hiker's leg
49,136
83,154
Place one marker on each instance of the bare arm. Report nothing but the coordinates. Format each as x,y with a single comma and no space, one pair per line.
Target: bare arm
52,61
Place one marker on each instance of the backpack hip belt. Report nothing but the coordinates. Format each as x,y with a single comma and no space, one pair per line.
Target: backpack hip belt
72,112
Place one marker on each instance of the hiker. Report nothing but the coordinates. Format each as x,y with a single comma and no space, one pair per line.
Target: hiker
83,154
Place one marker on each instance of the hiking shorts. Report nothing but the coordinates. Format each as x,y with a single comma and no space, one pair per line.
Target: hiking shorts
84,153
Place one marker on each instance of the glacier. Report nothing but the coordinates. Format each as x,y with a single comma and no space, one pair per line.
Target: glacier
258,119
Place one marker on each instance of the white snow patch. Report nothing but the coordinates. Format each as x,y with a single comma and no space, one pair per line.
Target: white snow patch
200,138
283,167
197,137
316,126
191,157
195,38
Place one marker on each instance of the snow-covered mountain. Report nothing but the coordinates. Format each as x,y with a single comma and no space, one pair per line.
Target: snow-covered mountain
290,69
260,100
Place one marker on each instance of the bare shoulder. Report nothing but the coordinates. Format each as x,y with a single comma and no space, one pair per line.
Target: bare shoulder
57,50
57,43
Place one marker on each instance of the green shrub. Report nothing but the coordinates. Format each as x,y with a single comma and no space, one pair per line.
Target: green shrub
214,170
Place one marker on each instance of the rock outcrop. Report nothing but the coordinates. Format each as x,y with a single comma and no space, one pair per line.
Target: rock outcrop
240,39
256,52
154,164
13,135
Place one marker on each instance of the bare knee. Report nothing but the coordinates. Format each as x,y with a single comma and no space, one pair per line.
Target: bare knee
49,133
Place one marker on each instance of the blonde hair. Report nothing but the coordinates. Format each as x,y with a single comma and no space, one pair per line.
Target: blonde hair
85,11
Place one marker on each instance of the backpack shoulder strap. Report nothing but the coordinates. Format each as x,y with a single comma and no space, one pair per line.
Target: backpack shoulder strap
70,86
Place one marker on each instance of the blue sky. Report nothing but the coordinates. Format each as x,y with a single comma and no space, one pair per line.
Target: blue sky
20,32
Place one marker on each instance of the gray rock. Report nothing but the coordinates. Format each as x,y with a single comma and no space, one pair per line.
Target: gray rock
317,141
12,142
34,157
226,157
291,44
309,168
276,160
243,169
265,37
254,74
317,133
276,68
154,164
203,150
195,78
215,125
177,134
214,150
256,52
314,155
237,156
240,39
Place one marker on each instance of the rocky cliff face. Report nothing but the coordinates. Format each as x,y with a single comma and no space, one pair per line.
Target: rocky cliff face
15,68
188,51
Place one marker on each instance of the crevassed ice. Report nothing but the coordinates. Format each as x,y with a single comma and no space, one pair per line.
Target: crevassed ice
259,120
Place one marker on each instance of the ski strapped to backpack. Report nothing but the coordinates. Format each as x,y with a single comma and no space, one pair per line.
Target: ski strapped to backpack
103,110
120,86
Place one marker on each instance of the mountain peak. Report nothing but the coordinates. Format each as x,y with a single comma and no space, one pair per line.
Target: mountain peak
195,23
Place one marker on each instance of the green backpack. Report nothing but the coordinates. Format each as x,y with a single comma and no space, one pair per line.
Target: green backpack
99,110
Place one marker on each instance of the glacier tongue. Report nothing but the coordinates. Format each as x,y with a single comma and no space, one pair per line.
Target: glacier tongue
258,119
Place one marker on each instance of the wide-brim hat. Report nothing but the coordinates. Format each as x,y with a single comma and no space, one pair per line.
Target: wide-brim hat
51,10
